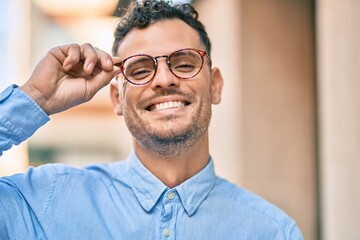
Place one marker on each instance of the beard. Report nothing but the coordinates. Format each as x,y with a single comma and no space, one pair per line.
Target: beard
165,139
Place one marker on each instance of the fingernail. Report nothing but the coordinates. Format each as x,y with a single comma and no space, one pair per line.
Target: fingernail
90,66
67,67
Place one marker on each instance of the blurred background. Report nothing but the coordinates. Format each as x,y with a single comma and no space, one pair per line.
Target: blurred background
287,128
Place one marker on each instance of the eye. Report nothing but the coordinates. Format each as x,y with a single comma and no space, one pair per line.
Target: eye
140,73
184,66
139,67
185,61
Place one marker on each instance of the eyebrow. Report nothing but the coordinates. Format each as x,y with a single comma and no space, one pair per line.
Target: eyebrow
183,53
140,60
143,59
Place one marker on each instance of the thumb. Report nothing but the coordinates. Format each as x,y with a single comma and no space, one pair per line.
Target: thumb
99,81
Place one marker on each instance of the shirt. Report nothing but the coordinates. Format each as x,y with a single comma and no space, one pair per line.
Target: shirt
123,200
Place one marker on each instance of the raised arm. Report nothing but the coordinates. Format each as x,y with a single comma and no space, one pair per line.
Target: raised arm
67,76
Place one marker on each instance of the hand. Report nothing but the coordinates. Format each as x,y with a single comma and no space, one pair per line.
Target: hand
68,76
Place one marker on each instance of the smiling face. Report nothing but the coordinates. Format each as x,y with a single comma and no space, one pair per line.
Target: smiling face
168,115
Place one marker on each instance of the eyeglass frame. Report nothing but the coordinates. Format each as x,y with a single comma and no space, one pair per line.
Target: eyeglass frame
202,53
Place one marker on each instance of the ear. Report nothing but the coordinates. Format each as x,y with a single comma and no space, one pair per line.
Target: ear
116,98
217,83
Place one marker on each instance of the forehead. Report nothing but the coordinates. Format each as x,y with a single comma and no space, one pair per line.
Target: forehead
161,37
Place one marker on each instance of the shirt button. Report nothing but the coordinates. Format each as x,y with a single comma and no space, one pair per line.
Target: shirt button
171,195
166,232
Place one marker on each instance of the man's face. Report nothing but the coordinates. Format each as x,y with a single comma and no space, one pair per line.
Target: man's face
168,114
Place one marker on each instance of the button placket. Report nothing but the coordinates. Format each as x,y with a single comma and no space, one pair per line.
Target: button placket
169,215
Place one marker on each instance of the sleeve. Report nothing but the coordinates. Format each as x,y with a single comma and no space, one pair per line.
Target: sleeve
24,202
295,233
20,117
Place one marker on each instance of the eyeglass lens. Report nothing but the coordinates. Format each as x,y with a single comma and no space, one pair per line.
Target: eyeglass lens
140,69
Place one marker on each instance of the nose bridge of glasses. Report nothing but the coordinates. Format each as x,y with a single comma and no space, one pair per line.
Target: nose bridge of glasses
166,61
162,56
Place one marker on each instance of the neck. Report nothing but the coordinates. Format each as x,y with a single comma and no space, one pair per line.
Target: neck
173,170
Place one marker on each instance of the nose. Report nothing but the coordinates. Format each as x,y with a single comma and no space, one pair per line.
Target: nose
164,77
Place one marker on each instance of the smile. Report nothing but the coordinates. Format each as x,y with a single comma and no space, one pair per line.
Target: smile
167,105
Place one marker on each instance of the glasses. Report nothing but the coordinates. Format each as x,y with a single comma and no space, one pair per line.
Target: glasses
141,69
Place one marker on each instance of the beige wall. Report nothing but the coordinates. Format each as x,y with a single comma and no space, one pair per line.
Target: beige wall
339,105
278,97
263,133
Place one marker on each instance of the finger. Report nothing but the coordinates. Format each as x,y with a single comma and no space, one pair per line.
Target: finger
116,60
72,53
105,60
89,56
100,80
116,70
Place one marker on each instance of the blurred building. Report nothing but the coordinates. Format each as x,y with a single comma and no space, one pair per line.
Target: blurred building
287,128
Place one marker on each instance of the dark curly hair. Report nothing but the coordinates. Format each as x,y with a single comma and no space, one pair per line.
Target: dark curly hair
140,15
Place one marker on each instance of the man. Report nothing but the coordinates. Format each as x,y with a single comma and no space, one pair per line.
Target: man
167,188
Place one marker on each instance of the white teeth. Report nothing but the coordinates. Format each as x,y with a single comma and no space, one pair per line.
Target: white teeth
168,105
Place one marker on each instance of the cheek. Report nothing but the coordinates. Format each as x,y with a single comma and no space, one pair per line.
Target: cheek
131,96
203,89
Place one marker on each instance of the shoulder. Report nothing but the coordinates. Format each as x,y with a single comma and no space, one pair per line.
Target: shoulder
246,198
48,173
255,208
40,183
101,170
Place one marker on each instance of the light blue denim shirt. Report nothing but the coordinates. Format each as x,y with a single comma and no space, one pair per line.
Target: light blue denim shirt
123,200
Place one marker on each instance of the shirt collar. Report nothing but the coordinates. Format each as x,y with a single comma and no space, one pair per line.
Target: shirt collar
148,188
193,191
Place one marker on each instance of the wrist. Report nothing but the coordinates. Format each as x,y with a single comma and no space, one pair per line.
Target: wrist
35,95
